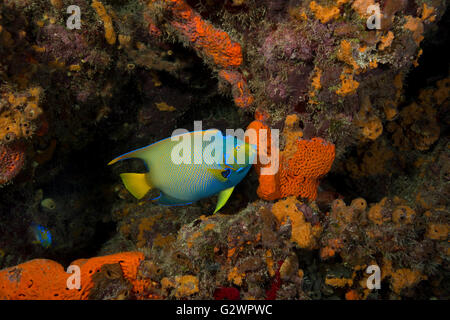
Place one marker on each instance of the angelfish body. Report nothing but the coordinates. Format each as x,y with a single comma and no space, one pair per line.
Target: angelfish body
184,183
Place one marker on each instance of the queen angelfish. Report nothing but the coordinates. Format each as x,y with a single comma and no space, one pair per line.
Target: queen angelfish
208,173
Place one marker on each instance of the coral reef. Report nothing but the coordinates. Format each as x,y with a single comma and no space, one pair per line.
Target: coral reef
362,166
388,235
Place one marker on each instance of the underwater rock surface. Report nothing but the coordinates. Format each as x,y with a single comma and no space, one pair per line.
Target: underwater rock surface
363,117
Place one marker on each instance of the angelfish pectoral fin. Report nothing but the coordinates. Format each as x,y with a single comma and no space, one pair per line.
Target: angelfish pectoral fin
223,198
136,184
220,175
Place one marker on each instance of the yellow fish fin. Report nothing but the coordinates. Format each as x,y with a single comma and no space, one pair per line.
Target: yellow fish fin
136,183
224,195
218,174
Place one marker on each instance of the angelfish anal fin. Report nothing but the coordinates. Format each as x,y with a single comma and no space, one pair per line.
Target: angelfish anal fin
136,184
223,198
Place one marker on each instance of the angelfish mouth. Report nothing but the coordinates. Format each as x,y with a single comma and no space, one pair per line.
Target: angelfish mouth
252,152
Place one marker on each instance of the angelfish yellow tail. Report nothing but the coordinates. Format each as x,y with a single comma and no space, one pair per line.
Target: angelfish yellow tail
136,184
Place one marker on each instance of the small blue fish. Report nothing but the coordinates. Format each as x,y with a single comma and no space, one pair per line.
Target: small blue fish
189,181
42,235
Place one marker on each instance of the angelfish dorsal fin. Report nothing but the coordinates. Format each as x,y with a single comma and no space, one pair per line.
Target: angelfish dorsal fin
138,153
224,195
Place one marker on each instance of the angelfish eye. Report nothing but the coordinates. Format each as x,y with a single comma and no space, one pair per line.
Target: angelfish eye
226,173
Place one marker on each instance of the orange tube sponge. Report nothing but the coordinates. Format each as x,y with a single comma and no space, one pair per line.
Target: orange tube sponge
212,44
268,184
12,159
301,164
110,35
262,135
43,279
207,40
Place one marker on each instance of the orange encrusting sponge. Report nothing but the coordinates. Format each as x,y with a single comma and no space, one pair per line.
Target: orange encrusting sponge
42,279
301,165
213,43
240,91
